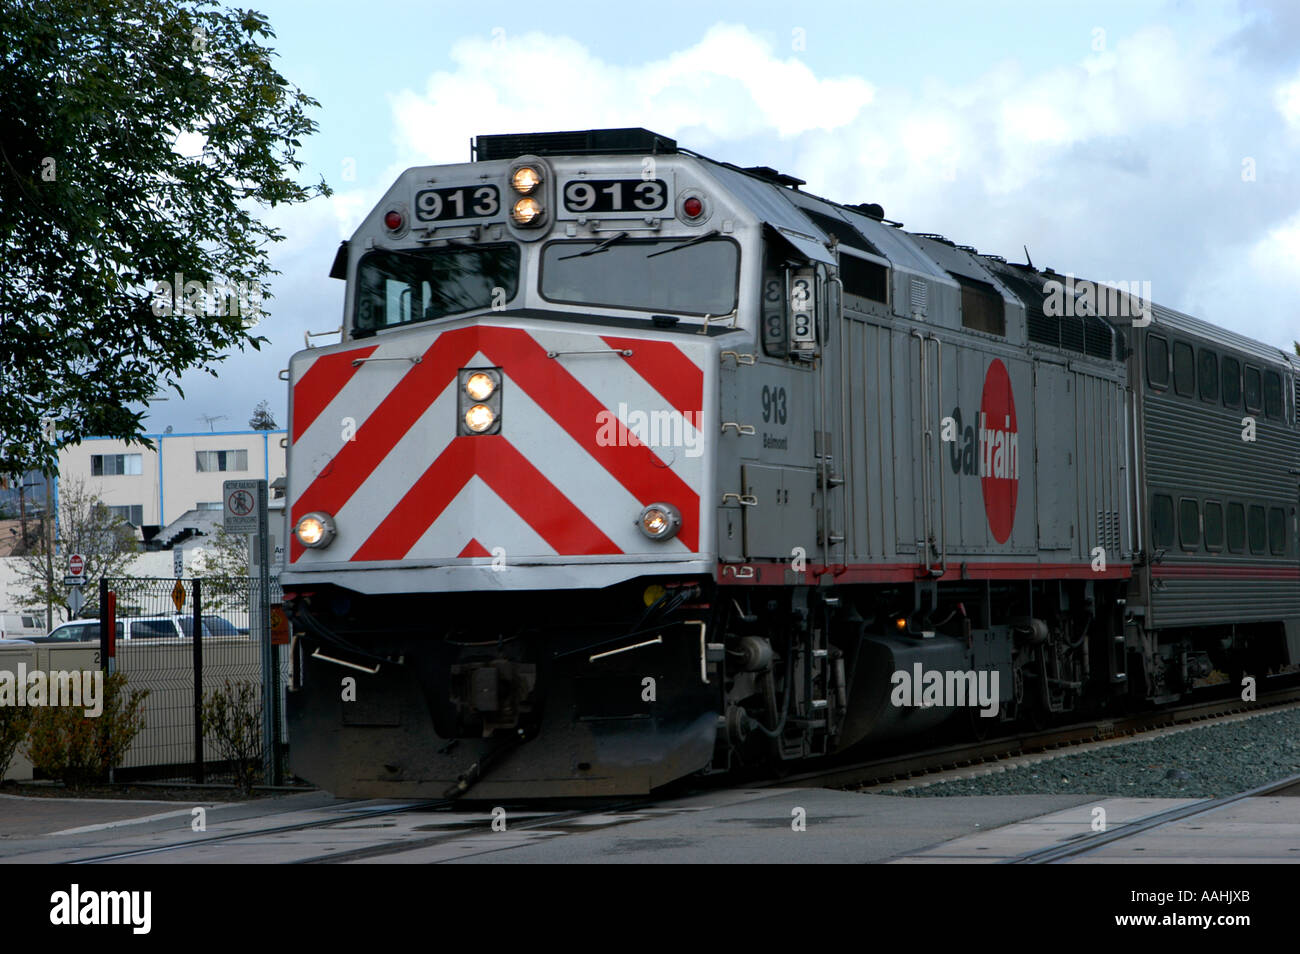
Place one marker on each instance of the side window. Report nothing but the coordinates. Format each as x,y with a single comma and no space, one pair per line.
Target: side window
1255,528
1254,390
1213,525
1231,382
1162,521
1276,530
1236,528
153,629
1207,374
1272,394
1157,362
1184,369
776,342
1189,523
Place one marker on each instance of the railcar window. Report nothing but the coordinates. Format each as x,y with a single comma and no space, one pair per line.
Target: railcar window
863,278
1254,390
1162,521
1207,374
1157,362
1236,528
1231,382
1189,523
1276,530
1255,528
1272,394
1184,369
401,286
661,275
982,306
1213,525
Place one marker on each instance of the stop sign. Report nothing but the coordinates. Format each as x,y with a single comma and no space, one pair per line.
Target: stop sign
76,565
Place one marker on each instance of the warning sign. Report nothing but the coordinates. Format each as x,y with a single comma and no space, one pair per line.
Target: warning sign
178,595
279,627
241,502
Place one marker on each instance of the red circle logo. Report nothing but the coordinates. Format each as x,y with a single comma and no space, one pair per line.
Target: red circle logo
999,445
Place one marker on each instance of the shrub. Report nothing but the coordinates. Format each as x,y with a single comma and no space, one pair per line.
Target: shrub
14,721
66,744
232,716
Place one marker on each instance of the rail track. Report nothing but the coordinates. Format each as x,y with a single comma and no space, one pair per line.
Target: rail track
915,765
1088,843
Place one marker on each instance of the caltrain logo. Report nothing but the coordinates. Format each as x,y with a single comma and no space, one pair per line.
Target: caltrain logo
988,446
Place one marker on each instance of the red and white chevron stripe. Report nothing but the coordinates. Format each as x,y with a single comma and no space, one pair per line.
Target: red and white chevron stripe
405,487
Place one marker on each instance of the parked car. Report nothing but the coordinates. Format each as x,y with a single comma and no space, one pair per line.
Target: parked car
178,626
21,625
15,642
74,631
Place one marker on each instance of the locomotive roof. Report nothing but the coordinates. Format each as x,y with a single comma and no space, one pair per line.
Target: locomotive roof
813,224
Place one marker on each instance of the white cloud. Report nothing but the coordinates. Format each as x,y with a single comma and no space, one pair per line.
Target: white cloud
729,85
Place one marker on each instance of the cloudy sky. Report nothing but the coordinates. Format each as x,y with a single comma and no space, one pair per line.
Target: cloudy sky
1140,141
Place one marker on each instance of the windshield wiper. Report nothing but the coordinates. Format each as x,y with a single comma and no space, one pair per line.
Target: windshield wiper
596,248
699,238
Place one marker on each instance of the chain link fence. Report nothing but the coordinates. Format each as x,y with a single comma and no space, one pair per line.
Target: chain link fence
155,621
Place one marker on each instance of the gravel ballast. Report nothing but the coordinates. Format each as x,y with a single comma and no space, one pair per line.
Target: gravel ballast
1201,762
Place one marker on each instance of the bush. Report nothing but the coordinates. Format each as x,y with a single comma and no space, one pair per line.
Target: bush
232,716
66,744
14,721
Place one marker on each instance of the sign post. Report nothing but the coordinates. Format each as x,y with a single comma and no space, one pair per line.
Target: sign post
76,578
244,504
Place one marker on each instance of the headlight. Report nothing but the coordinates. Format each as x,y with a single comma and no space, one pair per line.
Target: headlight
659,521
525,179
480,386
526,210
479,418
315,530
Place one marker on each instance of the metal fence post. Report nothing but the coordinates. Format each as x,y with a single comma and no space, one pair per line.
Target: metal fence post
197,639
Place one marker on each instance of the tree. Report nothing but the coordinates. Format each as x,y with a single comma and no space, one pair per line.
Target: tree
262,419
85,526
138,140
222,562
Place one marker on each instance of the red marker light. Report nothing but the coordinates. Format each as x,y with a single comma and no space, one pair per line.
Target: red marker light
693,208
393,220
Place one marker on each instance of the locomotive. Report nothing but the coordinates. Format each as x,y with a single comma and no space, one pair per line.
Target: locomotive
632,465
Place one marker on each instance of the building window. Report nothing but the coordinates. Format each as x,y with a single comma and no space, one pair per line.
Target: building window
208,505
131,513
226,460
1157,362
114,465
1231,382
1162,521
1184,369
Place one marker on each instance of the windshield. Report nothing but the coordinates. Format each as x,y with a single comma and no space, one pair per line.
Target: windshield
669,274
399,286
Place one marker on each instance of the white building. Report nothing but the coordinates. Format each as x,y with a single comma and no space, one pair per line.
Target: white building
184,472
